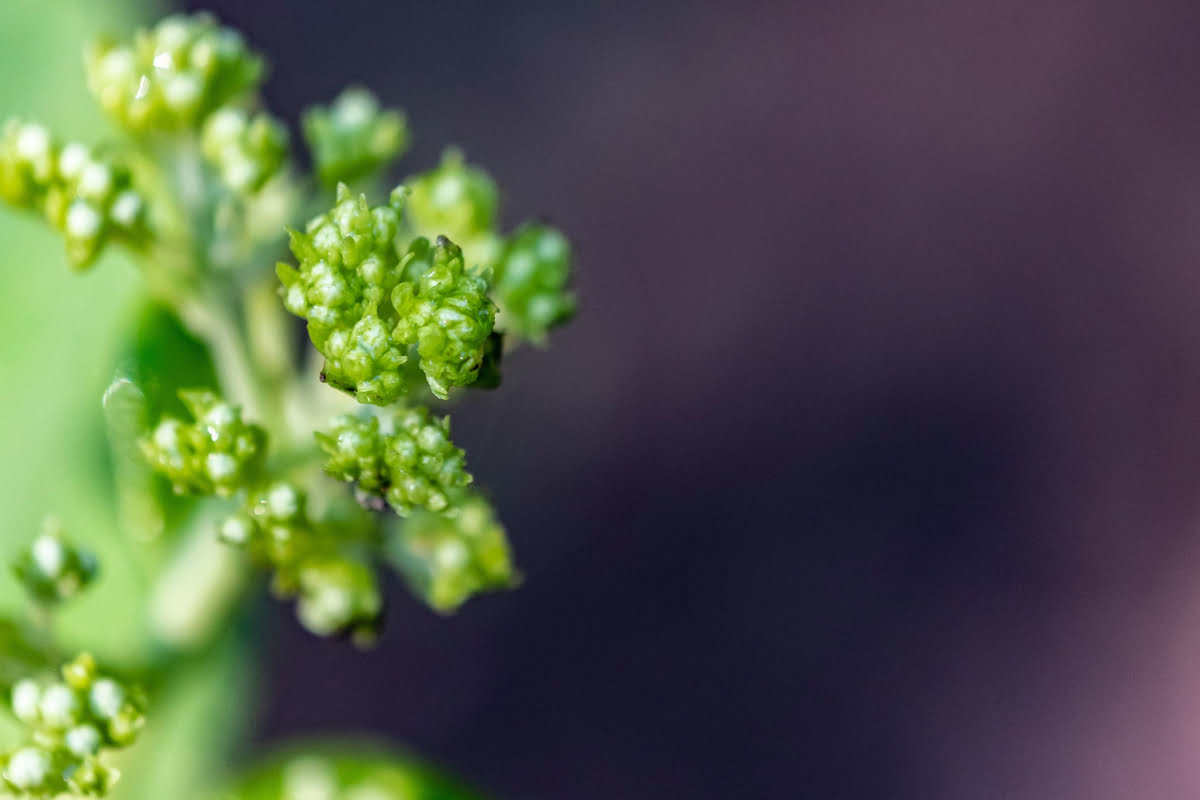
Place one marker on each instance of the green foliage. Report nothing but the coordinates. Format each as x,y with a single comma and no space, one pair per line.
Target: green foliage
405,302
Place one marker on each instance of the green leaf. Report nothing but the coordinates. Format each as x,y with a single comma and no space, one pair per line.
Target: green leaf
20,656
162,357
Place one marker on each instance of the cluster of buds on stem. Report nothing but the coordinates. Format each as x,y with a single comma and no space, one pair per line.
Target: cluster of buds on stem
90,199
218,453
170,77
407,460
453,556
51,569
353,137
246,150
71,721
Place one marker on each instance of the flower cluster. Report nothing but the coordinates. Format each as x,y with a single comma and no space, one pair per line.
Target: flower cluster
217,454
530,267
451,557
90,199
408,459
51,569
530,281
347,270
172,75
336,591
445,311
273,527
246,151
339,594
353,137
71,721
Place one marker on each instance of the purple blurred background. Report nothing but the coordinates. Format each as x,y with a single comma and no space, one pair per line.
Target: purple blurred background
870,467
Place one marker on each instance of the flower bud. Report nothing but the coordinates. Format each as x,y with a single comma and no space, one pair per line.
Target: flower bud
172,76
353,137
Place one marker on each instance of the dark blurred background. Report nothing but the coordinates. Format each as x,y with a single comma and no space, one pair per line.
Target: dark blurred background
869,469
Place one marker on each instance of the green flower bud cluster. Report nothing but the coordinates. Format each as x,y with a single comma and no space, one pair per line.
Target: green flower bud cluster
445,311
246,151
336,593
459,201
51,569
348,268
453,556
353,137
90,199
217,454
339,594
71,721
173,75
408,459
273,526
359,776
530,281
531,267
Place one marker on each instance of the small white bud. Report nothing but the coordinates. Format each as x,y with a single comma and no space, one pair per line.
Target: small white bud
283,501
25,698
166,435
220,416
72,159
106,698
33,142
354,109
83,740
236,530
83,221
226,124
59,706
28,768
220,466
49,555
172,33
452,554
118,65
309,779
182,91
95,181
126,208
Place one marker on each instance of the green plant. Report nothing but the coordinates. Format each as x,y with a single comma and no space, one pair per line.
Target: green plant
219,432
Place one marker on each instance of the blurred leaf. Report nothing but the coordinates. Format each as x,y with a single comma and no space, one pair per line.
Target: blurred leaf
65,332
162,358
345,771
20,657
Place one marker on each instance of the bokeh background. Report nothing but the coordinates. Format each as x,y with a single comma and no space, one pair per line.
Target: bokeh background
869,469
